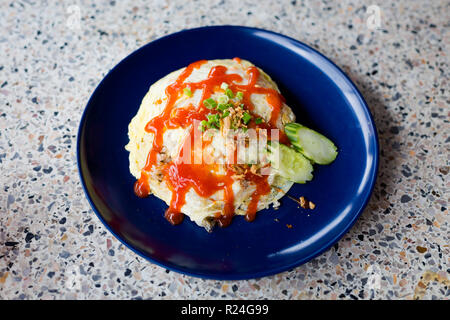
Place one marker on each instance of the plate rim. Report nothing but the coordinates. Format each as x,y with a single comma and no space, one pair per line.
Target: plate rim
268,271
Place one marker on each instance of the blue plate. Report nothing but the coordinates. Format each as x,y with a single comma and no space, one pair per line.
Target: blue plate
322,97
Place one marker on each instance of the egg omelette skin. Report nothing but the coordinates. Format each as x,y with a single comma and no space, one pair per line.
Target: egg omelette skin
207,193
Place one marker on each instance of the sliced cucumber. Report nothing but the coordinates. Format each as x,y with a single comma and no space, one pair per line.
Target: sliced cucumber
312,144
289,163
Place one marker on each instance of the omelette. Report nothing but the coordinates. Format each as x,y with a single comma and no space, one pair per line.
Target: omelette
181,151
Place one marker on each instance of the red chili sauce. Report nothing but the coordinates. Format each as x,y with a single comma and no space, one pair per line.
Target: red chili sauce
181,177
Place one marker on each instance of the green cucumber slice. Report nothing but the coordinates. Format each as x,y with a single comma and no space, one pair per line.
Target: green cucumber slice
312,144
289,163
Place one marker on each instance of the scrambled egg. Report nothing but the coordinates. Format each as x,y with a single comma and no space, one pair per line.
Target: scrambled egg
199,209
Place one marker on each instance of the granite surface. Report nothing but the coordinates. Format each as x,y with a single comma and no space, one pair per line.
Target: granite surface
54,53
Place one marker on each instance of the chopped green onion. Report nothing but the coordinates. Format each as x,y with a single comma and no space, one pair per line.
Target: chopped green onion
203,125
210,103
224,86
213,121
222,106
246,117
223,99
229,93
258,120
244,130
241,105
226,114
187,91
213,117
239,95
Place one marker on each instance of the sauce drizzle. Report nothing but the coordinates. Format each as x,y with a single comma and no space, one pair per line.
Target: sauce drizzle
202,178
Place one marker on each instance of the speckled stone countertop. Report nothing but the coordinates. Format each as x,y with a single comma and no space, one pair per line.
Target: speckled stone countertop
54,53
